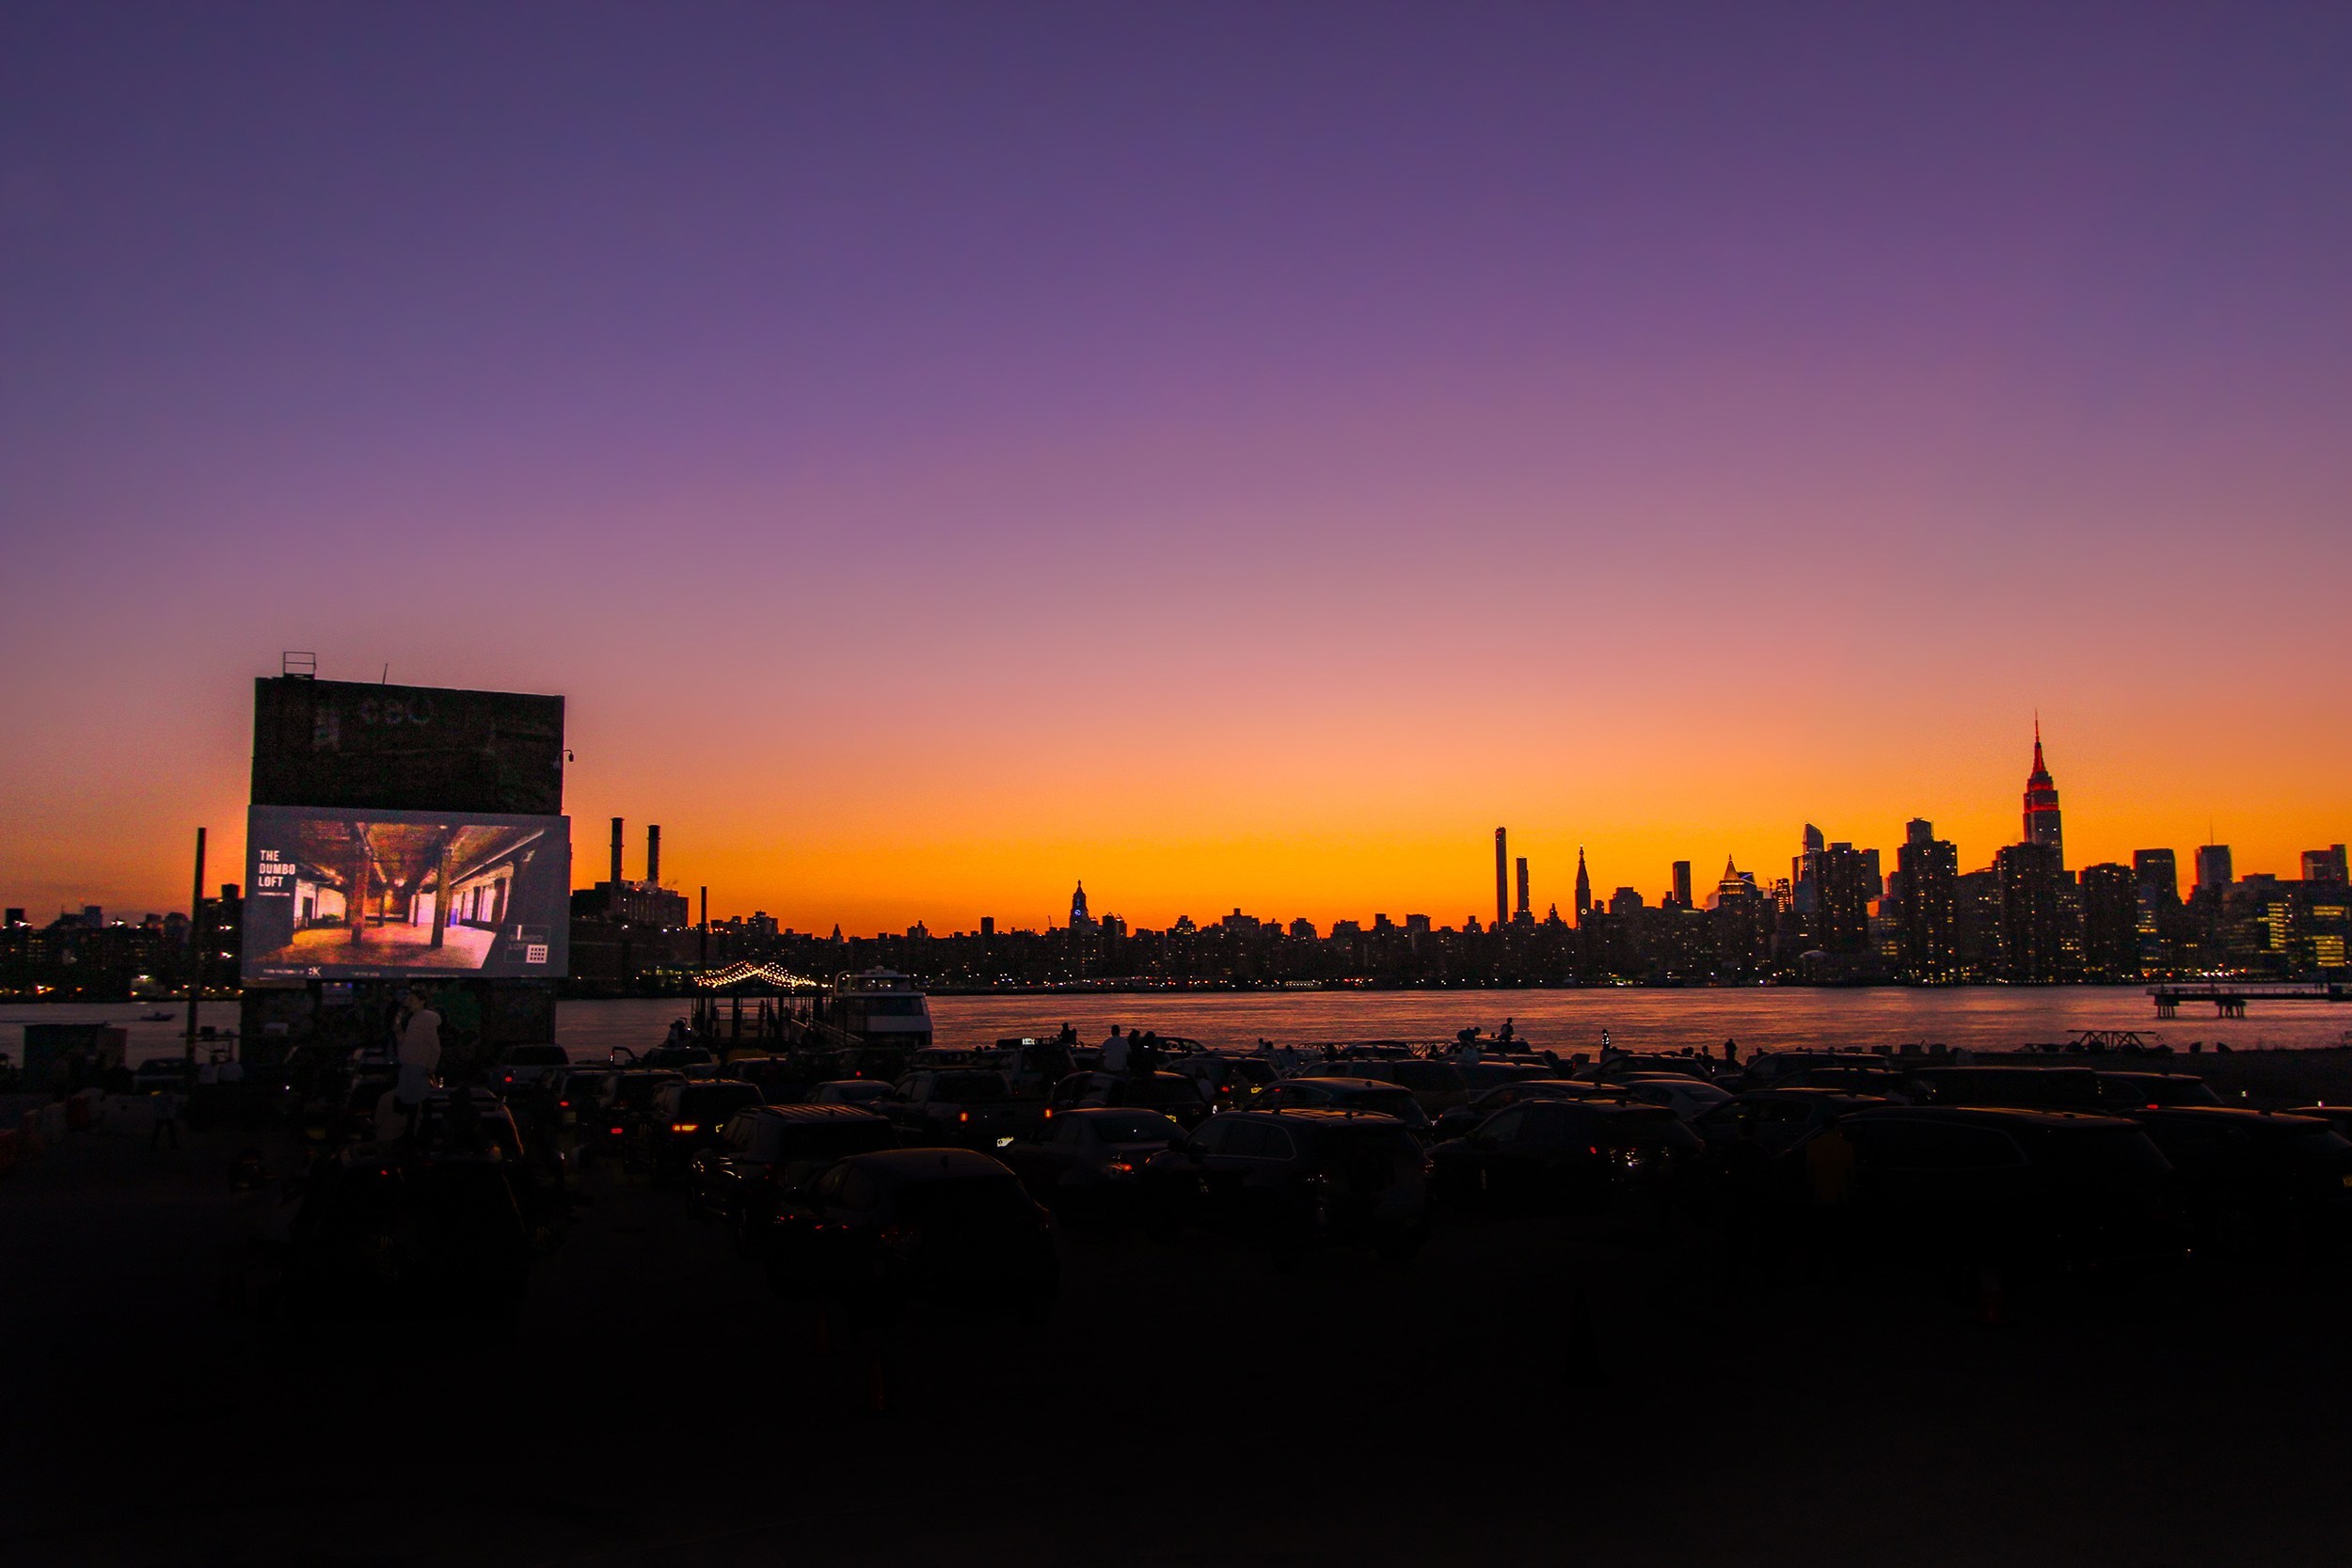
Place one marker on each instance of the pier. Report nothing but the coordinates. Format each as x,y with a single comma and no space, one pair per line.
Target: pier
2230,997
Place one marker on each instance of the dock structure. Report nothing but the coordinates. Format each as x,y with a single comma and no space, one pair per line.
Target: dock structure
2230,997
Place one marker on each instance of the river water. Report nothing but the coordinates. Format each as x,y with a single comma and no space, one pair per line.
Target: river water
1984,1018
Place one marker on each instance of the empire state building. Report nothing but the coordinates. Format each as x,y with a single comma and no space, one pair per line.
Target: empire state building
2042,804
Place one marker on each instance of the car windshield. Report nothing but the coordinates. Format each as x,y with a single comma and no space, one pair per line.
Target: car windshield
961,1200
973,1088
1431,1076
1135,1127
1399,1104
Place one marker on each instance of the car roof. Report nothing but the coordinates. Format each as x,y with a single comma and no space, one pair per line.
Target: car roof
717,1084
1082,1113
806,1114
907,1166
1332,1115
1997,1116
1339,1082
2143,1073
2246,1114
1814,1094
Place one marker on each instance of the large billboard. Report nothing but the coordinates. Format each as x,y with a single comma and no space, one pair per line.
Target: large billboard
405,747
334,894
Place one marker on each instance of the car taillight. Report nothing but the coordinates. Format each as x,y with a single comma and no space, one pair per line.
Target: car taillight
616,1132
686,1127
563,1104
963,1116
1118,1167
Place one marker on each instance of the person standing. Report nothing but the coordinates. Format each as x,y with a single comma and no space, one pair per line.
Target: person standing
419,1053
1115,1051
166,1105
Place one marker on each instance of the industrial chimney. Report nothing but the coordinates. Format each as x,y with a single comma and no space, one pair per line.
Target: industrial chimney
616,854
652,854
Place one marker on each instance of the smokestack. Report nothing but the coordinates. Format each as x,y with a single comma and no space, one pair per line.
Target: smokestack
652,854
1503,879
616,854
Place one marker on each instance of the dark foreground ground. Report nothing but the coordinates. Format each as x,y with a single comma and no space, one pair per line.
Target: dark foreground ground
1187,1404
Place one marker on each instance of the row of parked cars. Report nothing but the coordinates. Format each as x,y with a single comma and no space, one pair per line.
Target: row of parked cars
941,1181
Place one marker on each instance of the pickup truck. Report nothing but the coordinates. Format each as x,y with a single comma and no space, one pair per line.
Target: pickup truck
947,1107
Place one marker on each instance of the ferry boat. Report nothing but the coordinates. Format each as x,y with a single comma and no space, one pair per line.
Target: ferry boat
880,1007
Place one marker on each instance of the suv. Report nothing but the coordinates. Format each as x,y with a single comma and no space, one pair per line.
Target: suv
683,1117
952,1105
2254,1177
2126,1092
1172,1094
765,1152
1294,1179
1439,1085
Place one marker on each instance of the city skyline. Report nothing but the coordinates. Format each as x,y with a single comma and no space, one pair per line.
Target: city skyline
1238,455
1519,887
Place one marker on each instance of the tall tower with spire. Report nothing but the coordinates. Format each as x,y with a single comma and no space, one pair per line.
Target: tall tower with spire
1584,886
1079,919
2042,802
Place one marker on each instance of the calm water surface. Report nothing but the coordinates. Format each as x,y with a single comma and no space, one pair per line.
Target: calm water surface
1981,1018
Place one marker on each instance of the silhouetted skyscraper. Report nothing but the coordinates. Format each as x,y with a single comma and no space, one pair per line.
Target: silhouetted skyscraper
2029,876
1503,878
2212,869
2158,872
1845,882
2042,804
2325,866
1079,919
1584,886
1524,913
1682,883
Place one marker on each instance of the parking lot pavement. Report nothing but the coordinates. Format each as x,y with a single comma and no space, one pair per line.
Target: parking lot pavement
1528,1391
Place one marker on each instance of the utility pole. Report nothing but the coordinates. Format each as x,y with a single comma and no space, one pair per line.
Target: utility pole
197,944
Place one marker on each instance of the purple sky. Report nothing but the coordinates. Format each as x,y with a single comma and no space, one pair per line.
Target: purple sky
1654,426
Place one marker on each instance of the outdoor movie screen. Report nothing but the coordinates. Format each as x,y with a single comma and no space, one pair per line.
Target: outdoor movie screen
338,894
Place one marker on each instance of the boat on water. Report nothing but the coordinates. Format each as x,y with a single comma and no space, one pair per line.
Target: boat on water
880,1007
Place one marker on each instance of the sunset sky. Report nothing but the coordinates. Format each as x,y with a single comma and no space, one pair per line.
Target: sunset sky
1236,454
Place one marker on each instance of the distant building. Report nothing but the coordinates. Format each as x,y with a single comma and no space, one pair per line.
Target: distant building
988,927
2110,903
2319,865
1625,901
1081,922
2043,823
2157,875
1846,884
1303,928
1926,892
1682,883
1805,871
2213,875
1584,886
1502,889
1522,914
1418,924
2029,877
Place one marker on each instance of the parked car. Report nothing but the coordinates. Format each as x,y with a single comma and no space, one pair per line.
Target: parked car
869,1092
1172,1094
1343,1093
766,1152
1972,1187
1438,1085
1480,1076
572,1090
1083,1163
949,1224
1463,1118
1294,1179
970,1107
1569,1156
2025,1088
604,1122
683,1117
521,1068
1225,1081
2125,1092
1685,1097
2253,1179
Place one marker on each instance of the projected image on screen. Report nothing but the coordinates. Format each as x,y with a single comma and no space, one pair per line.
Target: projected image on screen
348,895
